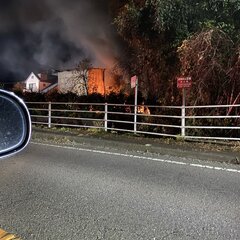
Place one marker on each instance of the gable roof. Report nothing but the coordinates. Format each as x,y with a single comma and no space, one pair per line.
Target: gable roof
43,77
49,88
32,74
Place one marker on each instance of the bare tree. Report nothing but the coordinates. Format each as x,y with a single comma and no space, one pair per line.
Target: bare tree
205,56
80,79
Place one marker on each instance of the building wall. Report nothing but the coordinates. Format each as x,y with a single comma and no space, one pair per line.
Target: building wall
43,85
69,81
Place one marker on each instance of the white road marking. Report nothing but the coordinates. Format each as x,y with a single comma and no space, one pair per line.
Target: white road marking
141,157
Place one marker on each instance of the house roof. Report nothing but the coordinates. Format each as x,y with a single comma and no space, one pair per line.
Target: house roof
49,77
47,89
67,70
74,69
32,73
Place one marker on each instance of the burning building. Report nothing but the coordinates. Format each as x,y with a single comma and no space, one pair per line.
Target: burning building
94,80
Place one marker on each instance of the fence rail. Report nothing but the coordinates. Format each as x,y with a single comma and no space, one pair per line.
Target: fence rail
215,122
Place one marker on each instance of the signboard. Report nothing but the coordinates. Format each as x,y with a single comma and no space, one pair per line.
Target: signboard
133,81
184,82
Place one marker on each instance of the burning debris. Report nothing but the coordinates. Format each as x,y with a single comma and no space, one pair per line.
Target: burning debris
142,109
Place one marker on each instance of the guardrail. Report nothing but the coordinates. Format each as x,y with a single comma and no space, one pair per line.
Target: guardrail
215,122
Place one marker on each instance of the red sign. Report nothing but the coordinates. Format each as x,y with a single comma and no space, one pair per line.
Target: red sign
184,82
133,81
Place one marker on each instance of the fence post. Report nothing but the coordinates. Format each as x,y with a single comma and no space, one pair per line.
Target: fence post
183,122
49,114
135,107
106,117
135,119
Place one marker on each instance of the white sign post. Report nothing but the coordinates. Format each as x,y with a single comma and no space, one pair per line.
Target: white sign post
183,125
134,84
182,83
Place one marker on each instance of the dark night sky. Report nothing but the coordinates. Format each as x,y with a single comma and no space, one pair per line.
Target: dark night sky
46,34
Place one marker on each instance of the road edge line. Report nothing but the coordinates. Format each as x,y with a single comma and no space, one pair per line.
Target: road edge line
142,157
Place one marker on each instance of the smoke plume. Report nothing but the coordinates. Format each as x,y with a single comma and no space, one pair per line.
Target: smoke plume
48,34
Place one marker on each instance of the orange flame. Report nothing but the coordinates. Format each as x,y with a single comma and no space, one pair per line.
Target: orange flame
101,80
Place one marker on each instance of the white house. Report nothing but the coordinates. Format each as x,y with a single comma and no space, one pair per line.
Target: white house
32,83
42,82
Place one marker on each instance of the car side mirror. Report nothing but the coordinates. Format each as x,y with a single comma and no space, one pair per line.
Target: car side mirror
15,124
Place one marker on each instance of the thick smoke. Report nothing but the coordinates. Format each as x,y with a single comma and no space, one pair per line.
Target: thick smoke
48,34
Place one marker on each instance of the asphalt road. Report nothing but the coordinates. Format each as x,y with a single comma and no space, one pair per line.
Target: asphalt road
57,193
